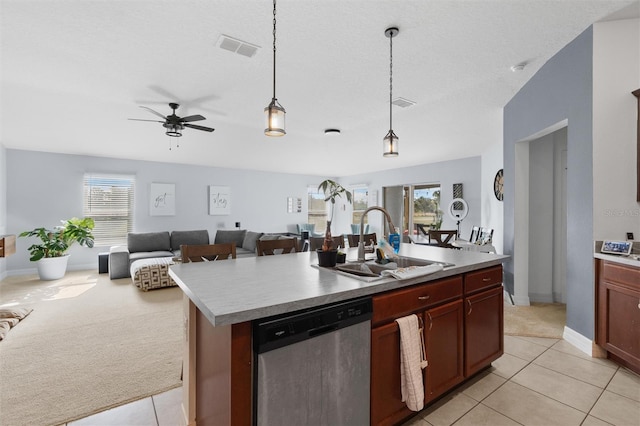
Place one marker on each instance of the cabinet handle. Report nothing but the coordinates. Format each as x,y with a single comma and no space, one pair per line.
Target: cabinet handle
485,280
424,297
470,307
430,320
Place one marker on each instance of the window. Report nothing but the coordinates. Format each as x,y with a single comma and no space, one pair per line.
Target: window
360,203
108,200
426,207
317,208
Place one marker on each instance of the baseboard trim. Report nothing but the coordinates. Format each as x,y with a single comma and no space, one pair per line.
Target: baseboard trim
521,301
578,340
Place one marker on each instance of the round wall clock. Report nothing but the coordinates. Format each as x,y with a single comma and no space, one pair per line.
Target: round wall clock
498,189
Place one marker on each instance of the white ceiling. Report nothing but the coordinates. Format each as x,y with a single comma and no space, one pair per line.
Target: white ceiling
74,71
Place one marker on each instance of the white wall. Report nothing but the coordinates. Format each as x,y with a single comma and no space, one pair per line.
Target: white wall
44,188
541,183
616,73
3,204
466,171
492,209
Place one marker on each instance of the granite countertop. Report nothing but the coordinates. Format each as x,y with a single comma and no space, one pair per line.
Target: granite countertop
229,292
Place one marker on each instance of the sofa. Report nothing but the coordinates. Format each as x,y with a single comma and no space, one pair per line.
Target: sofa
148,245
159,245
246,240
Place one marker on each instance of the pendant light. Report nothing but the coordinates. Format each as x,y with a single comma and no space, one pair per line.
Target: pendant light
390,142
274,113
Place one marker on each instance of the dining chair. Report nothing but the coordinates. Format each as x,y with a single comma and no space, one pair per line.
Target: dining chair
369,239
316,242
280,246
443,238
355,228
207,252
423,229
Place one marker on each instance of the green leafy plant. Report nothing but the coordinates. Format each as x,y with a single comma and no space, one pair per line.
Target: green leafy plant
55,242
332,190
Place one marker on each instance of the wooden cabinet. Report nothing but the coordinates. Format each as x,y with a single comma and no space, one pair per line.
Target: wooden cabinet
443,343
618,312
483,330
443,339
387,407
463,331
484,319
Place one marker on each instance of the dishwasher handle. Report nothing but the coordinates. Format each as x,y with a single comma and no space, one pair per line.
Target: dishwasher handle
324,329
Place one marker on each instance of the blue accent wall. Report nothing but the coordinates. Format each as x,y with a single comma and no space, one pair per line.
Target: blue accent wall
561,89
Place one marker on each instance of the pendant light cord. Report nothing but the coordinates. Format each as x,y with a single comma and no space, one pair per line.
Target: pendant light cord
274,49
390,81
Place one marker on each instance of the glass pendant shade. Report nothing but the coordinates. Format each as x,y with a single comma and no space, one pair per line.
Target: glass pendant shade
275,119
390,145
173,131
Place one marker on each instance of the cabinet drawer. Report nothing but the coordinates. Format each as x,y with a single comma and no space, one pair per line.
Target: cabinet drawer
395,304
482,279
625,275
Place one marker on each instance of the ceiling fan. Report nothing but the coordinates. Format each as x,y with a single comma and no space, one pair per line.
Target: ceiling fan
175,124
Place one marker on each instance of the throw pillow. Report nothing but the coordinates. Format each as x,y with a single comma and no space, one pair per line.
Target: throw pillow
224,236
250,238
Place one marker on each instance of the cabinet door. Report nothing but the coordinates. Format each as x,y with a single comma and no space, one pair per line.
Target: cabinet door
483,338
387,407
620,334
443,343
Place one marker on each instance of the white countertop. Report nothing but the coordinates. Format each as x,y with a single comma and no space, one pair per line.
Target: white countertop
234,291
618,259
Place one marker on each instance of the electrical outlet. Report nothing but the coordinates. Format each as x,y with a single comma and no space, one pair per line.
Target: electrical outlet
629,236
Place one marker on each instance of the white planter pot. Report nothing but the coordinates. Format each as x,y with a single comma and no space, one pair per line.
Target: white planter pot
52,268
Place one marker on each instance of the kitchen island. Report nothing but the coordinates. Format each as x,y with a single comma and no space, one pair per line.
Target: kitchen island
223,298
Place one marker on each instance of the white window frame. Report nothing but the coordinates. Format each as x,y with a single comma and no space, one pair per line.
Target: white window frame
317,216
109,200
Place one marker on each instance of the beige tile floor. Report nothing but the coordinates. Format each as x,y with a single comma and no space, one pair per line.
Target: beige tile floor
537,381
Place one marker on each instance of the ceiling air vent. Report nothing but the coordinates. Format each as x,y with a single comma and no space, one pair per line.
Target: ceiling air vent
403,103
238,46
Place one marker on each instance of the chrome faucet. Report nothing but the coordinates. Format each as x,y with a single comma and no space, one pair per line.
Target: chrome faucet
361,241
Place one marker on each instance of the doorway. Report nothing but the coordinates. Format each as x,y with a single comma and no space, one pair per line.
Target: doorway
540,237
413,205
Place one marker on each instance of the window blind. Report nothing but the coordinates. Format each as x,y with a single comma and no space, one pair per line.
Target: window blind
108,200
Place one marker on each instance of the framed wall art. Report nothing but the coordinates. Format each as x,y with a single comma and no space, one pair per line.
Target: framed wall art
162,199
219,200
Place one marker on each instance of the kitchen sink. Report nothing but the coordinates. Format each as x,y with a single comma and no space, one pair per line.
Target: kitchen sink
372,270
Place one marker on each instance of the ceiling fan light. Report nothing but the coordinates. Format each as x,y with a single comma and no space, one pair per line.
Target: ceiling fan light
390,145
173,131
275,119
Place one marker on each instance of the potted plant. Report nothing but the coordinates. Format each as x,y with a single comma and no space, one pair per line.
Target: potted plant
51,254
332,190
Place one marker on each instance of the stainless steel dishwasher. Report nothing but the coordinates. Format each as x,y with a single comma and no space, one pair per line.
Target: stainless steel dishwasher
312,367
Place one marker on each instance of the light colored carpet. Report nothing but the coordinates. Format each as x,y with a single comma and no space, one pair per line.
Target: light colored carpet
90,344
537,320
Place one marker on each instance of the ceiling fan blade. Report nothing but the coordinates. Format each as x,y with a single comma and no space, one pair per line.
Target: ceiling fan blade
140,119
153,112
195,126
196,117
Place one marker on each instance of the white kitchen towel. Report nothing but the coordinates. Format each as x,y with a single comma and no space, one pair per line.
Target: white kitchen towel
412,271
411,363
